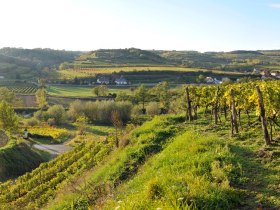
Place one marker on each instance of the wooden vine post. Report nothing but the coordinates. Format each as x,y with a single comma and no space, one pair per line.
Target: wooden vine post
262,116
189,106
216,106
234,125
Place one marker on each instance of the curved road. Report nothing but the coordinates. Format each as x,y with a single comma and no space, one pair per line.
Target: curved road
54,149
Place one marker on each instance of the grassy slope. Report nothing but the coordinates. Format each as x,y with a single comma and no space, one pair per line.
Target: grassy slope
17,159
172,165
75,91
193,170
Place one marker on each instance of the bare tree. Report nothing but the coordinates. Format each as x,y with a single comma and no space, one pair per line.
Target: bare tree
117,123
262,116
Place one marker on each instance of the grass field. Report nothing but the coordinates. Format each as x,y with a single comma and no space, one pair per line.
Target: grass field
86,72
70,91
76,91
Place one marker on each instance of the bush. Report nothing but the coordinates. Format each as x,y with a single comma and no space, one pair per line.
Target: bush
136,111
51,121
40,115
100,111
57,113
153,109
154,190
32,121
76,109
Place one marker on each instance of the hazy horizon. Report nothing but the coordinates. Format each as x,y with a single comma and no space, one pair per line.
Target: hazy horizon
140,49
181,25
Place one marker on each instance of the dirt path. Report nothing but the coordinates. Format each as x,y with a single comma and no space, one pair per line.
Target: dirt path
53,149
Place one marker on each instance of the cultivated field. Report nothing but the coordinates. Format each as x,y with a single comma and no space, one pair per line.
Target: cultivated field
93,71
78,91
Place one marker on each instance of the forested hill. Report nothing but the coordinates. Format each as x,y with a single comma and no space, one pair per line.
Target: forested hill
240,60
17,63
235,60
122,56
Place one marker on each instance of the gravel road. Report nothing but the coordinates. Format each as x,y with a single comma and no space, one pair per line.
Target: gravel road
54,149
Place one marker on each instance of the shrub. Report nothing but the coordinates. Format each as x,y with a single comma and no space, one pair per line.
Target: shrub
76,109
40,115
154,190
51,121
136,111
58,114
32,121
153,109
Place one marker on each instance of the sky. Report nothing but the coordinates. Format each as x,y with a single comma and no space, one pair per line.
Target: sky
201,25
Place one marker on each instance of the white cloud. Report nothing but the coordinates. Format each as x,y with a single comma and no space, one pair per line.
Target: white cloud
277,6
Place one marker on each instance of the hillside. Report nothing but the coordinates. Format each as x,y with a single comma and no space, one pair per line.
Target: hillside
165,163
177,67
17,63
130,56
17,159
235,60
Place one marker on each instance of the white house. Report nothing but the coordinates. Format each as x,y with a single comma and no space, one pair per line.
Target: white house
103,80
209,80
276,74
121,81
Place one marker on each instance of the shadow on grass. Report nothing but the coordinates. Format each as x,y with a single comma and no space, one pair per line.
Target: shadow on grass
97,132
261,185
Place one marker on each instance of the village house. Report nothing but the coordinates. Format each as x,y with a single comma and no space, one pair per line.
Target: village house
121,81
276,74
210,80
265,73
256,71
103,80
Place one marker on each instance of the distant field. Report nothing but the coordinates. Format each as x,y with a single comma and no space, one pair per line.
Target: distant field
24,89
76,91
91,72
70,91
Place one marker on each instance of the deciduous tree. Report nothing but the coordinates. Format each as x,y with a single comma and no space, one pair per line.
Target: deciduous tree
8,117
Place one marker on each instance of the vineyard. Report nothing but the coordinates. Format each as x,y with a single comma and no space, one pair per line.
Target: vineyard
59,134
214,148
234,102
24,89
33,190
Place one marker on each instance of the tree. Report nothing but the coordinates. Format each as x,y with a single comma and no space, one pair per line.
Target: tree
100,90
81,124
76,110
142,96
117,122
200,79
57,113
8,117
123,96
162,95
9,96
41,98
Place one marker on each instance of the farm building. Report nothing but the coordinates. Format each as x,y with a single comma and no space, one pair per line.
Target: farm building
103,80
276,74
121,81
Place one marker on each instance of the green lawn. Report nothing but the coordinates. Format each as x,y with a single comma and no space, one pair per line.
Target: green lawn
70,91
76,91
89,72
